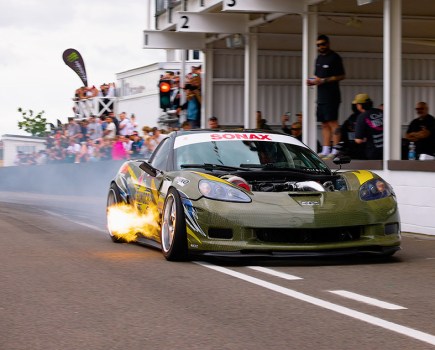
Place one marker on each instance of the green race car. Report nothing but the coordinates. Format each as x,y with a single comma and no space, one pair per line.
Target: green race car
250,193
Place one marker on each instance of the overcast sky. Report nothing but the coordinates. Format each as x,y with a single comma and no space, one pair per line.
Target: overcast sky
35,33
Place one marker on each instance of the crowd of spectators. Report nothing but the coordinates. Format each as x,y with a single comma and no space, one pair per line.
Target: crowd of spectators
361,134
119,137
114,137
94,139
89,138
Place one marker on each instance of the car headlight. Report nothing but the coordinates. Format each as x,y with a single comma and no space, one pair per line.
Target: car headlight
375,189
222,192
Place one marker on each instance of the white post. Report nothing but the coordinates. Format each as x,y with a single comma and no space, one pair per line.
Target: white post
251,80
392,80
309,36
207,85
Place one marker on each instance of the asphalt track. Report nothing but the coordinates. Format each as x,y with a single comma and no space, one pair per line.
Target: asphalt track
65,285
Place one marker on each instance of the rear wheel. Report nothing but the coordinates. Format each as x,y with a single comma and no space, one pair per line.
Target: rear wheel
113,198
173,231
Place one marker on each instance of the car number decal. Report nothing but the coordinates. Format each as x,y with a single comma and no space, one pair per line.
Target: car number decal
181,181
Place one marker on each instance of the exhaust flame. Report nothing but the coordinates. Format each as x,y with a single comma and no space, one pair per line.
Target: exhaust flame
126,221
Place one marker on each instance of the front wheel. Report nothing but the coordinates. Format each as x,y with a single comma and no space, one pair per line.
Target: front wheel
173,231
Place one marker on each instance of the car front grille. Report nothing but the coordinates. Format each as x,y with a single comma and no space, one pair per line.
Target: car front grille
309,236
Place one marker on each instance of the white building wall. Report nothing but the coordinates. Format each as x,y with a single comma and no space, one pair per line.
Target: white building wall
279,80
415,192
279,85
12,142
145,107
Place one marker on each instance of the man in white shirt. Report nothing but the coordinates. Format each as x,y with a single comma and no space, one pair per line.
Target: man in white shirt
110,132
125,126
72,151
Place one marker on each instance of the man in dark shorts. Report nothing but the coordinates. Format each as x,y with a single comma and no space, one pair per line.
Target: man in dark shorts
328,72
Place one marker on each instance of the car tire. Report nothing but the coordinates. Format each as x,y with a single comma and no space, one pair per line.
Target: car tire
114,197
173,229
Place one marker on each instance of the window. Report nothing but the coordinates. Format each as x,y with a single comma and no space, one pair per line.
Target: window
159,159
26,149
251,154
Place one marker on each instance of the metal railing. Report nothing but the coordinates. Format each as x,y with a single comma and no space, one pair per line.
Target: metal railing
163,5
97,106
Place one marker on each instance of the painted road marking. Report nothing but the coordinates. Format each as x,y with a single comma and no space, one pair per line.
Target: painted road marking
410,332
96,228
367,300
283,275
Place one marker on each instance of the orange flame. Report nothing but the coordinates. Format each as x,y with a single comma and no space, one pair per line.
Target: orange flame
126,221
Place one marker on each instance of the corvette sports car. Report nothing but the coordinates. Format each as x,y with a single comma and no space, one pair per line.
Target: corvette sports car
251,193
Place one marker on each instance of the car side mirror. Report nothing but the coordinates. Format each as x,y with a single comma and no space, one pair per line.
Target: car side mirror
148,168
340,160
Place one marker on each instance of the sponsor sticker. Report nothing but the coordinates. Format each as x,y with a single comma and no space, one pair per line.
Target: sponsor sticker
190,139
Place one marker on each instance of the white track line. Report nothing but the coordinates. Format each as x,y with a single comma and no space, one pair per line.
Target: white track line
96,228
410,332
283,275
367,300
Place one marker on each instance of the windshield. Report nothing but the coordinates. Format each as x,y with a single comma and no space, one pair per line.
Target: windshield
250,154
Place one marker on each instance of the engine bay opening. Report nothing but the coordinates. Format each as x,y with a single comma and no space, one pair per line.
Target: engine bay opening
274,182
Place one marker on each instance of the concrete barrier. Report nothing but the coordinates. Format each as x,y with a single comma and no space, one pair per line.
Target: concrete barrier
90,179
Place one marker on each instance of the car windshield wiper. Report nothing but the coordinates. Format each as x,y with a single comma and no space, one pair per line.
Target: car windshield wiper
209,166
266,166
260,166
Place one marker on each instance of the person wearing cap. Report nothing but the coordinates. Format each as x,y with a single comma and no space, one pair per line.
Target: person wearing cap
329,71
347,134
369,128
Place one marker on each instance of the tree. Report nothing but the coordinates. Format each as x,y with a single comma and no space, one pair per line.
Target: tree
35,125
